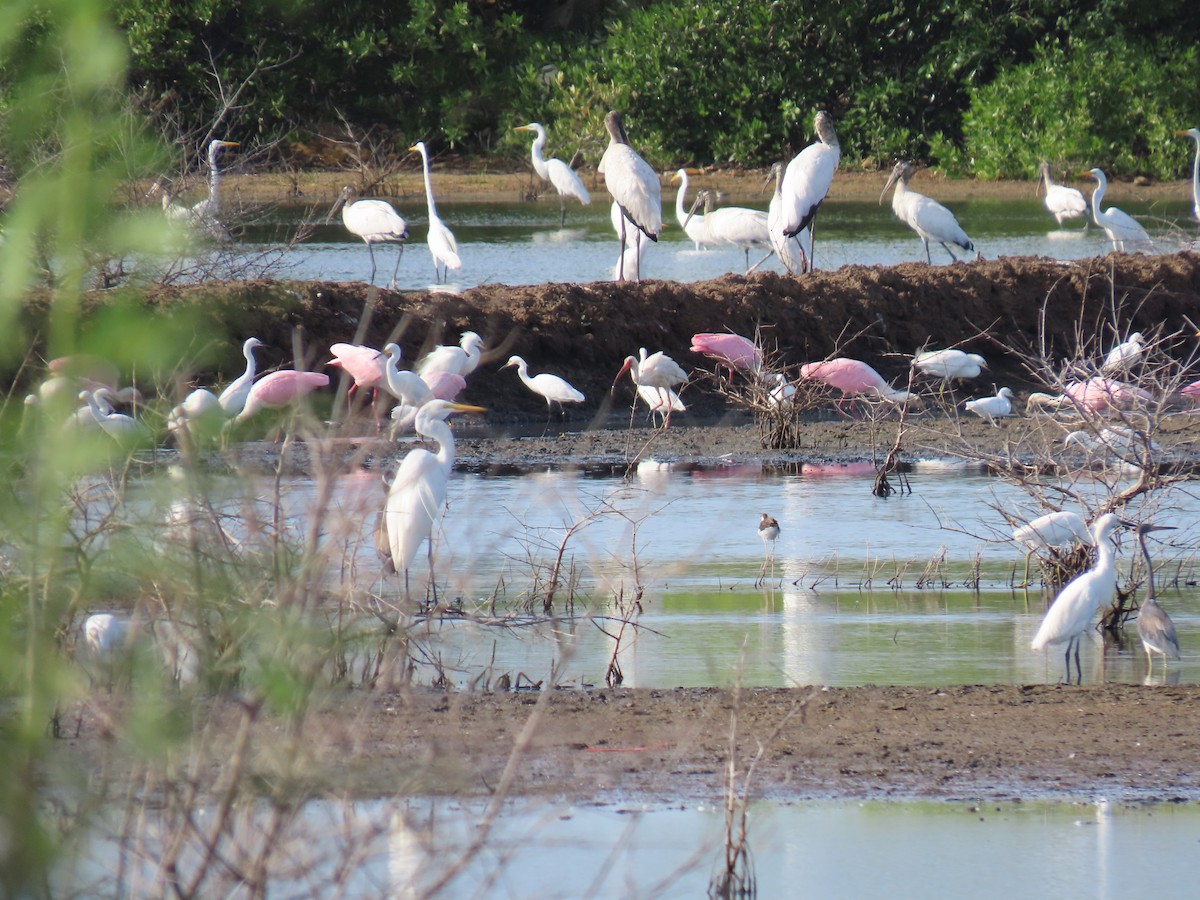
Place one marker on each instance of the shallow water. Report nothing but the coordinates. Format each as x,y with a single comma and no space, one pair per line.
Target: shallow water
521,243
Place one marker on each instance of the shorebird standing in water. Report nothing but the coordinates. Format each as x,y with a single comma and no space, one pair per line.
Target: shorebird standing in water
768,531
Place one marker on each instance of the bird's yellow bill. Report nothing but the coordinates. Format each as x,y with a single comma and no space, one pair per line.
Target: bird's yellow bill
463,407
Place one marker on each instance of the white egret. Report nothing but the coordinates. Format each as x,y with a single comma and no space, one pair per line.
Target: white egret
693,225
551,387
949,364
1120,227
1064,203
793,252
1154,626
442,245
202,215
1124,354
1075,606
1194,134
633,183
123,429
733,226
992,408
406,386
460,360
105,638
557,172
200,411
1118,439
233,398
808,177
1052,530
418,492
928,218
376,222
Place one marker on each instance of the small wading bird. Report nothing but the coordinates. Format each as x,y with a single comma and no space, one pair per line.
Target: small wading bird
928,218
1121,228
1154,626
457,360
808,177
418,492
1052,530
949,364
732,226
376,222
233,398
633,184
794,252
1194,134
853,378
1064,203
656,370
1121,357
551,387
1075,606
442,245
105,637
992,408
768,533
557,172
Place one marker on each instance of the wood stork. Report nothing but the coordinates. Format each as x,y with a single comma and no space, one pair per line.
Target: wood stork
1064,203
732,226
928,218
793,252
1120,227
442,245
1194,134
807,178
557,172
376,222
632,182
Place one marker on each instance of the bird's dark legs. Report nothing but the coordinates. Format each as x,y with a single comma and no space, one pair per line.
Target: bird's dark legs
399,256
371,250
621,263
928,258
951,252
562,211
812,242
432,578
1078,670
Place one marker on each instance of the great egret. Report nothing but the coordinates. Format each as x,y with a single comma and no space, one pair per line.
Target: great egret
853,378
732,226
928,218
442,245
105,637
795,252
279,389
551,387
418,492
123,429
807,178
1194,134
199,411
949,364
557,172
376,222
655,370
233,398
1124,354
992,408
202,215
633,183
460,360
1154,626
1064,203
694,225
1120,227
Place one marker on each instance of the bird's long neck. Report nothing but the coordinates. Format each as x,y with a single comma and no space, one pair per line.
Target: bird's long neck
428,184
1097,196
1149,568
248,352
214,177
899,195
1196,181
680,211
539,164
440,432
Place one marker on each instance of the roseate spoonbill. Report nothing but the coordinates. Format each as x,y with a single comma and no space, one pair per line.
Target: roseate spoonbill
1194,134
731,350
949,364
732,226
1064,203
928,218
418,492
1124,354
233,398
693,225
1098,394
633,256
1057,529
768,533
1120,227
1191,392
1154,626
376,222
807,178
795,252
557,172
1075,606
365,365
853,378
656,370
633,184
992,408
460,360
279,389
1039,401
442,245
551,387
89,371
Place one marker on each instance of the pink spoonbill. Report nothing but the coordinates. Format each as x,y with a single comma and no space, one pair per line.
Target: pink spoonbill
731,350
280,389
853,378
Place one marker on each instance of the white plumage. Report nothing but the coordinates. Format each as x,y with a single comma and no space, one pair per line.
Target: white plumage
808,177
442,245
992,408
460,360
376,222
555,171
1064,203
632,182
1056,529
633,251
948,364
551,387
1121,228
233,398
734,226
793,252
1124,354
694,224
928,218
1194,134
